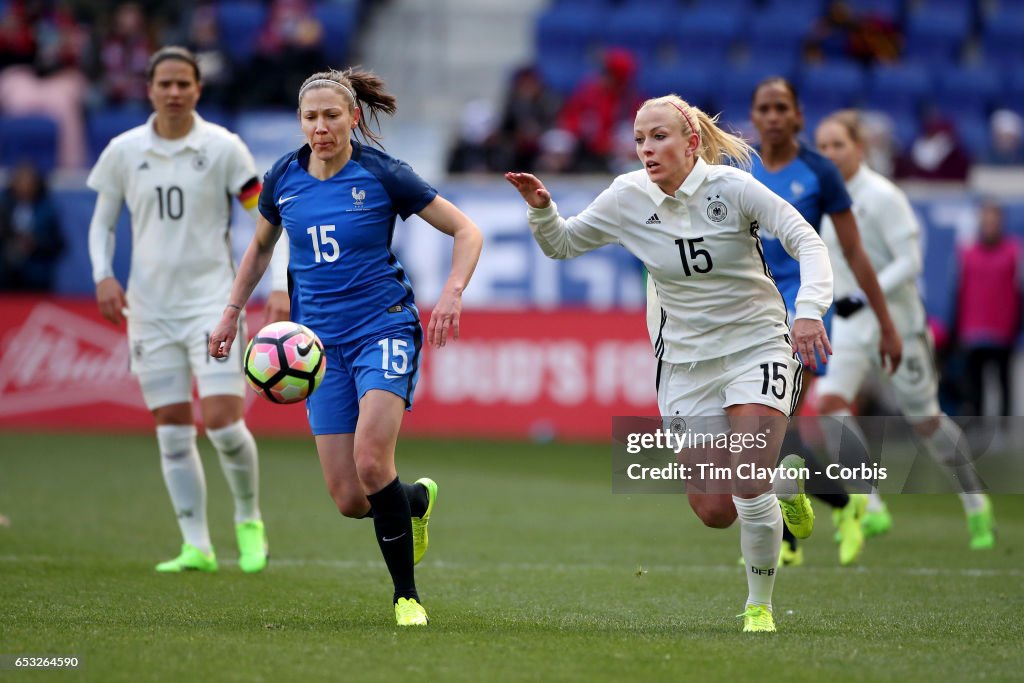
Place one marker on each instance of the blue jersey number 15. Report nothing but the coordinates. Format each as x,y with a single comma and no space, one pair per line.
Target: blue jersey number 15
325,247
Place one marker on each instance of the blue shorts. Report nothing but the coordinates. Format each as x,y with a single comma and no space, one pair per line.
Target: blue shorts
789,292
389,361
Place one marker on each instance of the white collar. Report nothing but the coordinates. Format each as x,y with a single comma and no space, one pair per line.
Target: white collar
693,181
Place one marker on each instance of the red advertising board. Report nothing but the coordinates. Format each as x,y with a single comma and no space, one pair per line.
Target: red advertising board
557,374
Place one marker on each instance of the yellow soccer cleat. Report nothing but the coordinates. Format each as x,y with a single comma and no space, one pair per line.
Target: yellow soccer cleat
409,612
981,525
851,533
757,619
190,559
253,552
791,557
420,539
797,512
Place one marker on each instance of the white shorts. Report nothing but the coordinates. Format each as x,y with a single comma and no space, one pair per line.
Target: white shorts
167,354
766,374
915,384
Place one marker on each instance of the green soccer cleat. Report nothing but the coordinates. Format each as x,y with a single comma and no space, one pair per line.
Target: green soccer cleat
982,526
420,540
757,619
851,533
253,551
877,522
408,612
190,559
797,513
791,557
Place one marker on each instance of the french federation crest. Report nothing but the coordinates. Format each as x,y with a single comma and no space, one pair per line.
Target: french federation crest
358,196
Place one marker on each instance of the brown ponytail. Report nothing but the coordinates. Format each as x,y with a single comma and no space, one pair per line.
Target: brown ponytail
364,89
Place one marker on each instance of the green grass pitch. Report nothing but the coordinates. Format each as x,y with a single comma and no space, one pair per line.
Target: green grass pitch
536,572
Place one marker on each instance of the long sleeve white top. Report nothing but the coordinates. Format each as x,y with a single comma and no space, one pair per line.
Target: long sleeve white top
715,295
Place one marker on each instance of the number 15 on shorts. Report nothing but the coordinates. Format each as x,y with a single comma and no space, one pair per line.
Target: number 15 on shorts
394,359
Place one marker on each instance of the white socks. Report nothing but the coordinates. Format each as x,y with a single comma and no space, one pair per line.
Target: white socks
760,542
948,447
237,450
183,475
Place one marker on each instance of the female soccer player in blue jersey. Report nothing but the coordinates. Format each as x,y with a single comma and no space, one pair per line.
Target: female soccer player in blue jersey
812,184
337,199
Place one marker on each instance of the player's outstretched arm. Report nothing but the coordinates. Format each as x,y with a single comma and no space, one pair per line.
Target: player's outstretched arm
446,217
250,270
890,345
531,189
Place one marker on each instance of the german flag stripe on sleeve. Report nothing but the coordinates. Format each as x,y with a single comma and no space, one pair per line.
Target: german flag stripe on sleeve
250,193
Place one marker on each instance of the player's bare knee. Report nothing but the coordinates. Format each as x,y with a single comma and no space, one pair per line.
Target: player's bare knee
373,472
831,403
714,512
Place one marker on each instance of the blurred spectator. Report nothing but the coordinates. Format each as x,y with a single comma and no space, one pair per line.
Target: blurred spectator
596,109
936,154
214,62
124,54
1005,146
880,149
841,34
987,318
475,150
30,233
530,110
43,51
288,50
556,151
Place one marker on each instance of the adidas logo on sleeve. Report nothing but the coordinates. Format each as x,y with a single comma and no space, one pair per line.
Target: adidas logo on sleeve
653,220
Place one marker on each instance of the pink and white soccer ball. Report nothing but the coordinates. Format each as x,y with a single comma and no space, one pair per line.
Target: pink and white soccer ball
285,362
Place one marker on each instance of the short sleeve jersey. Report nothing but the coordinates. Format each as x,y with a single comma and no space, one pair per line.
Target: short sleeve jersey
813,185
179,194
347,282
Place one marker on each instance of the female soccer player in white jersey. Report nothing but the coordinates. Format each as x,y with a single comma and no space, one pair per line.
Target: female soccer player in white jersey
890,233
721,335
337,200
177,173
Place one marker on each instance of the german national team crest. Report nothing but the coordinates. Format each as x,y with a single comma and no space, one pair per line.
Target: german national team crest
717,211
200,162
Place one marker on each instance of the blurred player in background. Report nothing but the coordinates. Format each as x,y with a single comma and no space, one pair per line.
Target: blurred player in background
177,173
720,331
812,184
337,200
890,235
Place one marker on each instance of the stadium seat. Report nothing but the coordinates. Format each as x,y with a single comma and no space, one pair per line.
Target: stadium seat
731,7
1003,35
1013,218
890,10
693,85
969,87
338,21
105,124
936,37
565,31
899,87
216,114
972,128
31,138
737,85
239,23
563,73
702,37
636,29
832,84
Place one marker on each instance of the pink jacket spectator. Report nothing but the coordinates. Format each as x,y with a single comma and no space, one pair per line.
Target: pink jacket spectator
989,297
